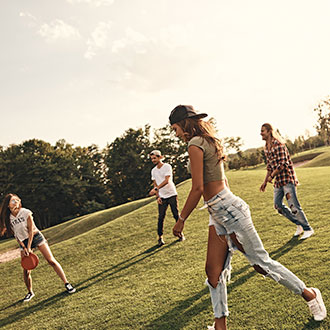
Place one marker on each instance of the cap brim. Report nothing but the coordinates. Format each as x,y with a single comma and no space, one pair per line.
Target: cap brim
199,116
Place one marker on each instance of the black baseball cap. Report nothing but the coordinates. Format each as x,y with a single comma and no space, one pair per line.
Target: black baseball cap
181,112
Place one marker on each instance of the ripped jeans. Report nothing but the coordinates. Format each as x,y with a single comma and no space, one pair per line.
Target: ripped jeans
230,214
294,213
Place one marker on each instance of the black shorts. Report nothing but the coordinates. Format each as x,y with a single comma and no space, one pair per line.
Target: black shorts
38,239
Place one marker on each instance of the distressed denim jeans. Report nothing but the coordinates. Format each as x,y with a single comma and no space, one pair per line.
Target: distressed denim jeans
230,214
294,212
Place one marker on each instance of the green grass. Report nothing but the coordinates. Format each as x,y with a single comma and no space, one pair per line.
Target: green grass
321,160
82,224
125,282
315,157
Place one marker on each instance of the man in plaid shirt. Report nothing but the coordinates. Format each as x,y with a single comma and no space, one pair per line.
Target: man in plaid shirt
280,168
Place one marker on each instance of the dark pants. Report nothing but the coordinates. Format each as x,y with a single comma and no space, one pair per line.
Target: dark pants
173,203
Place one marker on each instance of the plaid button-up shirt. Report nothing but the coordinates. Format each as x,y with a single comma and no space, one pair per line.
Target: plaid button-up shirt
278,157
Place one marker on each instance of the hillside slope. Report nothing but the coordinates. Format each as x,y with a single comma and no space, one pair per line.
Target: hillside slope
124,281
77,226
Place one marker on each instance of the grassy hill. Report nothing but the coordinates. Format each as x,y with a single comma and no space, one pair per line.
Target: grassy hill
124,281
316,157
81,224
321,160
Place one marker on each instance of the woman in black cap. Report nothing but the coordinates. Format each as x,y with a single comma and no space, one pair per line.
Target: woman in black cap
230,225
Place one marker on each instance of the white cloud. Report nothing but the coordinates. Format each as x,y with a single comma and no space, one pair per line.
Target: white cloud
98,39
32,20
132,39
118,45
95,3
150,62
21,14
57,30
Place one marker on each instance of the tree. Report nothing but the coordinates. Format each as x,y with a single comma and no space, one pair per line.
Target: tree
323,121
233,143
128,166
55,182
92,174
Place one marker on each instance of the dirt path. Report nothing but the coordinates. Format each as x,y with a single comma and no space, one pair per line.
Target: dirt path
300,163
9,255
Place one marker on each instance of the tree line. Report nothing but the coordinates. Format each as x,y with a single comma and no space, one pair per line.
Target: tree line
252,157
59,182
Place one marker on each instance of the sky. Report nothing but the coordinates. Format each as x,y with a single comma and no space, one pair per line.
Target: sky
88,70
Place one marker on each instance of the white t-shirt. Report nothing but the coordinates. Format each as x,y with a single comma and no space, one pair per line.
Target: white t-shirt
159,174
19,224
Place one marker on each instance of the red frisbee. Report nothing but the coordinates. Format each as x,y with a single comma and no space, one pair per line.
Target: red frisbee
30,262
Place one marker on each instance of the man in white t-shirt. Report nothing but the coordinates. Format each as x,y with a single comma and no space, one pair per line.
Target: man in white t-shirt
165,192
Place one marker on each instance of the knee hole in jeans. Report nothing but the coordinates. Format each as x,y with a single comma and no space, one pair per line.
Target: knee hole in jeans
260,270
213,275
236,242
278,208
287,196
293,209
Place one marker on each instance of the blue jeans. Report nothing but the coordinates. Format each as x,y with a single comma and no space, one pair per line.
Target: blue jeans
294,212
230,214
38,239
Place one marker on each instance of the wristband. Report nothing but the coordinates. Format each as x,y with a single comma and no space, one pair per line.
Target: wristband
180,218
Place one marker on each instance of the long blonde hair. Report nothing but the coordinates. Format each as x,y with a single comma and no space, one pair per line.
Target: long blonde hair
197,127
274,133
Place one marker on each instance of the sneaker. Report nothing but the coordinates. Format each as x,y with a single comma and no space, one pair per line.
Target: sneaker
212,327
28,297
307,233
70,288
182,238
317,307
298,231
161,241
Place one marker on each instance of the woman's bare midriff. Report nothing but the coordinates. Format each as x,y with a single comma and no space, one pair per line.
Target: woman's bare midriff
212,188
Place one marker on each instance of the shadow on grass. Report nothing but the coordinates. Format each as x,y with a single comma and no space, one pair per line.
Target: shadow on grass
312,324
18,302
182,313
91,281
30,308
289,245
122,266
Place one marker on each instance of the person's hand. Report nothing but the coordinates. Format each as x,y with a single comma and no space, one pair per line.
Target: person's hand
26,251
269,179
159,201
152,192
178,228
263,186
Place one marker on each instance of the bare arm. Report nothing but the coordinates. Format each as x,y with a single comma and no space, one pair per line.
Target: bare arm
155,192
197,187
30,225
165,182
20,243
196,191
156,188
